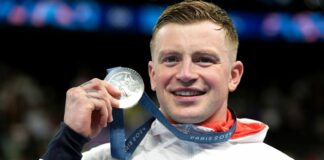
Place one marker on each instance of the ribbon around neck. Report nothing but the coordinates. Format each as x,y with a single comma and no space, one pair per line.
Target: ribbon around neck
122,149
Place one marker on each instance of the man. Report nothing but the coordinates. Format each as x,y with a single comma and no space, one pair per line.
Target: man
193,69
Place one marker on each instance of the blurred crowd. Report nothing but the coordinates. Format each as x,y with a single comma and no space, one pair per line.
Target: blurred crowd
30,113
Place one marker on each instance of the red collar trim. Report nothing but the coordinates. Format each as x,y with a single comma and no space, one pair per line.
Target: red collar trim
242,129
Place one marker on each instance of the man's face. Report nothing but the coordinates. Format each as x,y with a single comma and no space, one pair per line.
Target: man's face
192,72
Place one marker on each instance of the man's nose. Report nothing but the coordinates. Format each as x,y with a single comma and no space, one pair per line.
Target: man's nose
186,72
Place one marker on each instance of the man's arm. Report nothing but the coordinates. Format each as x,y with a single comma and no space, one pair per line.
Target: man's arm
87,110
67,145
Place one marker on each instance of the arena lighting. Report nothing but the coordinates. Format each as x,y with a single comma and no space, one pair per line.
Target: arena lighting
119,17
87,15
148,16
91,16
299,27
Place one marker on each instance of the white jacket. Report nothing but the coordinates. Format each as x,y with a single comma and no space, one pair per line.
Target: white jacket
160,144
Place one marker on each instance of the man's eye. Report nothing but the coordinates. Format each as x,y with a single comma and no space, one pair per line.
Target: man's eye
205,60
170,60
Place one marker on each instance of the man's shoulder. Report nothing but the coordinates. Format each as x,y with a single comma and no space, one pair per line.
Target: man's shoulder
259,150
251,134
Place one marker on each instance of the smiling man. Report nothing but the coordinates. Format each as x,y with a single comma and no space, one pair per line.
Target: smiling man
193,69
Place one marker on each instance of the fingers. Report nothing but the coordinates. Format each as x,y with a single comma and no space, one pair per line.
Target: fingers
111,92
88,108
101,103
100,91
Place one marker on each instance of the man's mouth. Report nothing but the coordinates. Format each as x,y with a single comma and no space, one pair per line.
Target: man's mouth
188,93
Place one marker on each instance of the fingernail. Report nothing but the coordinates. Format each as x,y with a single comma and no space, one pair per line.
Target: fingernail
111,119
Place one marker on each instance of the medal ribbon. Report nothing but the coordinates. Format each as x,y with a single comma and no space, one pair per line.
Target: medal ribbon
121,149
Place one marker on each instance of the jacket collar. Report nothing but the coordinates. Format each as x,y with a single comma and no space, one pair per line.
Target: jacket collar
248,130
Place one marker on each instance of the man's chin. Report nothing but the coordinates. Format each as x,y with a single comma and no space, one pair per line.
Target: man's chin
187,119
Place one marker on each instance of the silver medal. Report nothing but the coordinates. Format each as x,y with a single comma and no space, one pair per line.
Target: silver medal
130,84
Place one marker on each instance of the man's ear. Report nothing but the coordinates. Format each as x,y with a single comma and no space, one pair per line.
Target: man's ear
236,75
152,75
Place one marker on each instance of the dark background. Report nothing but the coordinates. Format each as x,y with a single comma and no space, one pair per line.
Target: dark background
283,82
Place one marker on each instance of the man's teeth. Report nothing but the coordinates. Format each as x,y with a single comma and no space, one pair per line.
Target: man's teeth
187,93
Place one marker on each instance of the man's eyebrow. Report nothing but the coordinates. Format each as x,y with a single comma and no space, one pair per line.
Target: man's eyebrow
167,51
207,53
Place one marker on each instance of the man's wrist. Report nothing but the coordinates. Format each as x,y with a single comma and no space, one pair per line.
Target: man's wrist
67,144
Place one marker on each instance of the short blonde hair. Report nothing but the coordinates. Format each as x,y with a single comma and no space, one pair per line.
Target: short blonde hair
193,11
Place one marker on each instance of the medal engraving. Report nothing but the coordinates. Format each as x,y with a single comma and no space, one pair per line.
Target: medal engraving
130,84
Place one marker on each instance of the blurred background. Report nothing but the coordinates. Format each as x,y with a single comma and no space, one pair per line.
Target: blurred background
48,46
